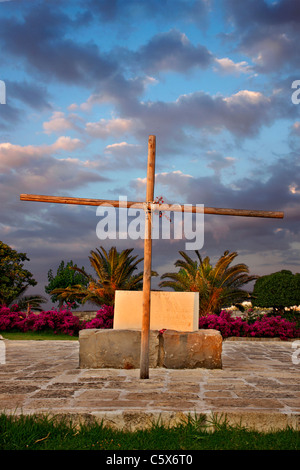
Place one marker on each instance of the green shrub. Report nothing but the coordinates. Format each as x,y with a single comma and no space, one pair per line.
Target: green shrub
291,315
277,290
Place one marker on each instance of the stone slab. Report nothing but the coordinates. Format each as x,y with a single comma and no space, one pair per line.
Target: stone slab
109,348
53,365
183,350
120,349
168,310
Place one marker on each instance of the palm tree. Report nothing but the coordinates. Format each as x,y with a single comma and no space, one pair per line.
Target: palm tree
218,285
31,302
115,271
28,302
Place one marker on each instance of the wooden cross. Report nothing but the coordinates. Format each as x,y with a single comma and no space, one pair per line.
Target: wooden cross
149,207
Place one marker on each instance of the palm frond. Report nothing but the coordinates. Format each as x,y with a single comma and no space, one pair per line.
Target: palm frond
215,284
113,270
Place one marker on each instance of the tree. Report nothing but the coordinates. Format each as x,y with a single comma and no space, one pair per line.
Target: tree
65,277
14,279
114,271
277,290
29,302
218,285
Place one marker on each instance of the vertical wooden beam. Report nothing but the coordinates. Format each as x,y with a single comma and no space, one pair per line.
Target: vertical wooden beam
144,364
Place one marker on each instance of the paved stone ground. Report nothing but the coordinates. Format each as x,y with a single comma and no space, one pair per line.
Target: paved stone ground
258,386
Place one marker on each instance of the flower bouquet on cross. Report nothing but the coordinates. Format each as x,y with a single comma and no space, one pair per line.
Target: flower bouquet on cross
159,200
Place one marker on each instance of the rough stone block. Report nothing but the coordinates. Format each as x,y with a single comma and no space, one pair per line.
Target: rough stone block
120,349
190,350
116,349
168,310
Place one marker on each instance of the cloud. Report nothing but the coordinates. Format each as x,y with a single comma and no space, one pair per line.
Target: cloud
258,235
106,128
228,67
243,114
169,181
134,10
32,94
271,51
267,32
40,40
119,92
296,128
123,150
66,143
59,122
264,244
217,162
9,115
294,188
35,169
171,51
123,156
71,54
262,13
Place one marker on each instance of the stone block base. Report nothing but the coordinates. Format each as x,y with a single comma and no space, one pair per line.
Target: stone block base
185,350
115,349
120,349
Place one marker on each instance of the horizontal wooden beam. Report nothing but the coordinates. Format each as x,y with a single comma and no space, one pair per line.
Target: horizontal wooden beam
152,206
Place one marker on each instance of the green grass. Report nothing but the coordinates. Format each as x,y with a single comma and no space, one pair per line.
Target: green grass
36,335
43,433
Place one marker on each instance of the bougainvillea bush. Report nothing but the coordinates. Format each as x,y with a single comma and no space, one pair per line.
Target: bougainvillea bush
104,318
263,327
63,321
270,327
11,319
227,325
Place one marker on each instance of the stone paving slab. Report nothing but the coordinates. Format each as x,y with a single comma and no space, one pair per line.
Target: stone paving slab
258,387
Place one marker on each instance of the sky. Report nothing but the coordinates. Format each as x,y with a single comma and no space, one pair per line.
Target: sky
87,82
